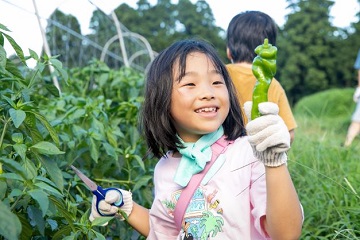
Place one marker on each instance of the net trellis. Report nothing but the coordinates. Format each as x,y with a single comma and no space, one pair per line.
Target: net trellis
116,47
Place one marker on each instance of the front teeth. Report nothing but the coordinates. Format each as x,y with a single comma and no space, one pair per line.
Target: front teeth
206,110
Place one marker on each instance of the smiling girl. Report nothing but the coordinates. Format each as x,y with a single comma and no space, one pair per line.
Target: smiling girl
190,104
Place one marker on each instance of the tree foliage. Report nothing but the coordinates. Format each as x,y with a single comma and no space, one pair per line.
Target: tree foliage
62,41
313,54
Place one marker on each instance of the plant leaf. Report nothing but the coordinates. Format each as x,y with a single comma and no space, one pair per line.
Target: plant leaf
21,150
34,214
17,116
16,47
143,181
10,227
54,172
41,198
14,167
49,188
46,148
48,126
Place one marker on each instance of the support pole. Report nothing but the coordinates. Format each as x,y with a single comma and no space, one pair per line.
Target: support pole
46,49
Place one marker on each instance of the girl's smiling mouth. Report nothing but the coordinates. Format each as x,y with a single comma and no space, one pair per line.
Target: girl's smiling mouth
207,109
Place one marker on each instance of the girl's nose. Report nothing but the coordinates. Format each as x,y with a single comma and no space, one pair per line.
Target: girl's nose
207,92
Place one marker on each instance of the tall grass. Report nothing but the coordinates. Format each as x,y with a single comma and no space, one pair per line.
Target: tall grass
327,175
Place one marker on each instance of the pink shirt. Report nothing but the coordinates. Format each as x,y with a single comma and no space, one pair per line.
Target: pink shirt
228,206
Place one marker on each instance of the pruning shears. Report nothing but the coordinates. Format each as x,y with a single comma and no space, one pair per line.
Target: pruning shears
98,191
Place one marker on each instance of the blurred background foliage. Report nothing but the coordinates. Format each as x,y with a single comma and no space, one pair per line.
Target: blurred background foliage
313,54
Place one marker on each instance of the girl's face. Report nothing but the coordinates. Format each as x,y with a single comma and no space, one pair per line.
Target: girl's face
200,100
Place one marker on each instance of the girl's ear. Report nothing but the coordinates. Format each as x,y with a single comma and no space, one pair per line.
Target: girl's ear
228,54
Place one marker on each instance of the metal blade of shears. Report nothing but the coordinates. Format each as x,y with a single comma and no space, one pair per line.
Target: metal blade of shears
93,186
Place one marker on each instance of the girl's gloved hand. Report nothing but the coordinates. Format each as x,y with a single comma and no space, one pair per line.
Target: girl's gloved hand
106,208
268,134
356,94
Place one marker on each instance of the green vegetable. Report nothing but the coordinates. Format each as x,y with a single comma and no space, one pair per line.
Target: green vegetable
264,69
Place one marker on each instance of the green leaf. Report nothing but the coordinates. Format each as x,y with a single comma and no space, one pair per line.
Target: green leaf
94,149
34,55
101,221
41,198
34,214
48,188
12,176
52,89
143,181
26,228
110,150
13,69
53,224
99,236
64,231
3,187
30,169
9,101
2,58
14,167
56,63
2,40
46,148
15,193
16,47
30,124
54,172
48,127
17,116
139,161
79,113
63,211
10,226
21,150
17,137
3,27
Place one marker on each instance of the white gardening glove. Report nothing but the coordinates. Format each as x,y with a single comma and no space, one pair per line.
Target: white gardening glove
106,208
268,134
356,94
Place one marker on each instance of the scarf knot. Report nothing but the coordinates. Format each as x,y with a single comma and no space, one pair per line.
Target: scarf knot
195,156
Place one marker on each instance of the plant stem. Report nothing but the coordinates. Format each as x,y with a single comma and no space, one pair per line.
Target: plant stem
4,131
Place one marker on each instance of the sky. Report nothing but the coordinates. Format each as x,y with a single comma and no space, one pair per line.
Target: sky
19,15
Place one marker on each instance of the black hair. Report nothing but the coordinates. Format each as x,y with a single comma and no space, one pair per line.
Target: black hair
246,31
155,118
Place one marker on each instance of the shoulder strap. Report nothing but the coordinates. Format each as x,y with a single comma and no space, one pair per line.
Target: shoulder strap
181,205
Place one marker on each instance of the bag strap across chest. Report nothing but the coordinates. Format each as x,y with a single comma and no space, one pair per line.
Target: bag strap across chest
181,205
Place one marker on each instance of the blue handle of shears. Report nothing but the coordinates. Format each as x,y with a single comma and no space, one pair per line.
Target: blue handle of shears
100,194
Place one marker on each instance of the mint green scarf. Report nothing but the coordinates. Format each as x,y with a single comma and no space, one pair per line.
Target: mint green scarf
195,156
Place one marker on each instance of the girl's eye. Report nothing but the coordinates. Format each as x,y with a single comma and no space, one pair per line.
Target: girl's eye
218,82
189,84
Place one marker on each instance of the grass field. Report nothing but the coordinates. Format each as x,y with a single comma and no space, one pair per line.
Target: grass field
327,175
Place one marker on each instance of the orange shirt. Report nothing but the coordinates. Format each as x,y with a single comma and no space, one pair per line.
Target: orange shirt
244,82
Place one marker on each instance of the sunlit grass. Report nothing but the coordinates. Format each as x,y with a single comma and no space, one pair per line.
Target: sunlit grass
326,175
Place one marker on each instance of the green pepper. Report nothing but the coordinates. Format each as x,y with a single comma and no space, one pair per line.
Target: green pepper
264,69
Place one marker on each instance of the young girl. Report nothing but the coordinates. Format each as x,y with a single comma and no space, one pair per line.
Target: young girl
247,194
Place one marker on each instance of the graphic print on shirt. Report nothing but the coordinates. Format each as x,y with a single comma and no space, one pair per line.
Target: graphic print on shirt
203,217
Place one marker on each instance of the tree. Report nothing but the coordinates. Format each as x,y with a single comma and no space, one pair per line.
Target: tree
165,22
308,46
64,38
